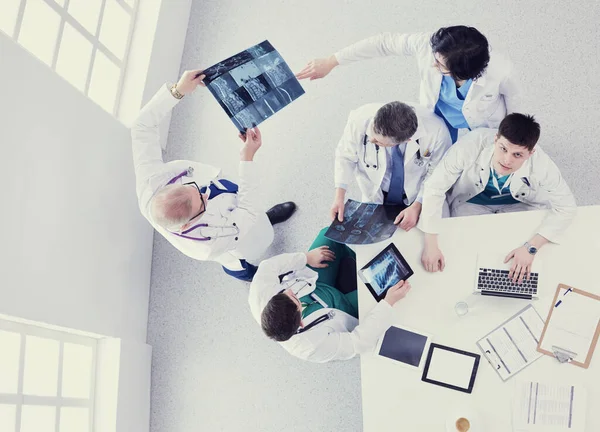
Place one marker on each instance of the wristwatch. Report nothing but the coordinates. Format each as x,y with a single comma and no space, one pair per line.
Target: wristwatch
531,248
176,94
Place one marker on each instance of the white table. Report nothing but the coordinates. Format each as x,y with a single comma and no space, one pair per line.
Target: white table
395,398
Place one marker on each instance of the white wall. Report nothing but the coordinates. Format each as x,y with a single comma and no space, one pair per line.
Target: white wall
74,250
155,55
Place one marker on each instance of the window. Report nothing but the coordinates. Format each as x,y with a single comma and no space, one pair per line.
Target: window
47,379
84,41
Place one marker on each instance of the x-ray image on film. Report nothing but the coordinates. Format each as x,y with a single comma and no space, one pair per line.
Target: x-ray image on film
385,272
364,223
253,85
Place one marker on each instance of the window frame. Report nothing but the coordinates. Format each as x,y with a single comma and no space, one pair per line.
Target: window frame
57,402
94,39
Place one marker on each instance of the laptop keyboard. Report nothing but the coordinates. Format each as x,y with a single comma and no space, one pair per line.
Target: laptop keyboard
498,281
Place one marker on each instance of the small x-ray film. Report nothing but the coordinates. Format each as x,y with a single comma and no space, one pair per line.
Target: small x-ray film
384,271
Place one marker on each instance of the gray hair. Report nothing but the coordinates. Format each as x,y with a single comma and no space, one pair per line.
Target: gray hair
171,207
397,121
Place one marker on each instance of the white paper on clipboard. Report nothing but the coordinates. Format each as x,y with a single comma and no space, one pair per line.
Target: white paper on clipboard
573,324
512,345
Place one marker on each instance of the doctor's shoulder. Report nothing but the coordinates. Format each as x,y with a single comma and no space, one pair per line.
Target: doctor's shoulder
476,141
499,67
541,162
306,344
365,113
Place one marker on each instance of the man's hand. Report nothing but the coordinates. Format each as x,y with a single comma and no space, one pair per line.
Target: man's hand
397,292
318,68
432,257
189,81
252,142
409,217
337,208
521,266
315,257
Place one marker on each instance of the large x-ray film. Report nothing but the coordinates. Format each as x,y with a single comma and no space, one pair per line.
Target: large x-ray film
253,85
364,223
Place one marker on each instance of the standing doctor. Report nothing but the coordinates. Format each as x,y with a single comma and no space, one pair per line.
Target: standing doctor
390,149
459,80
206,217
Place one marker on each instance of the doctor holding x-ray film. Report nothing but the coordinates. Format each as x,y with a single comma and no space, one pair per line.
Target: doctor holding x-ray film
206,217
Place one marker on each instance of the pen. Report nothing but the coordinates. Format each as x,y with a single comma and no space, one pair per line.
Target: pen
560,301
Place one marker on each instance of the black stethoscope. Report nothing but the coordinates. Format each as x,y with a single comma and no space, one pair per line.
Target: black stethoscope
327,316
376,164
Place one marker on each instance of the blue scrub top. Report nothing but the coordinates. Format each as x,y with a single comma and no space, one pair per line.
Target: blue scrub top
485,197
450,103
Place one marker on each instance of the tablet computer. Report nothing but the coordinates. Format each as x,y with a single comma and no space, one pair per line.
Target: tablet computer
384,271
451,368
405,346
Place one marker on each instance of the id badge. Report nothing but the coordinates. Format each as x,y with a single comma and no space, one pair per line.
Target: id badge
318,300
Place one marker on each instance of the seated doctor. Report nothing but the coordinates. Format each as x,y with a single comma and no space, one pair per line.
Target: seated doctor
390,149
460,82
205,216
498,171
308,303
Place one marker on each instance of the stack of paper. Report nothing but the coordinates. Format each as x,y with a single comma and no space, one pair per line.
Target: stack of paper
549,407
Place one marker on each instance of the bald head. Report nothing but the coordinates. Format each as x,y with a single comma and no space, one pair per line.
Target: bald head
172,206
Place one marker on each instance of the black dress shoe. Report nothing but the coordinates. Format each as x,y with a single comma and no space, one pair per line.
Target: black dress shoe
281,212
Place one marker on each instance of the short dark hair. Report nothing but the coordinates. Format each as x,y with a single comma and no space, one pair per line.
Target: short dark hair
520,129
280,319
465,50
397,121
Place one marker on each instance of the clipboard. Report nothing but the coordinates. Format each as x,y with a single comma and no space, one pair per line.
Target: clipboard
567,353
512,346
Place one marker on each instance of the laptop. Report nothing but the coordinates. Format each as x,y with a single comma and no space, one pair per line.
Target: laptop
492,278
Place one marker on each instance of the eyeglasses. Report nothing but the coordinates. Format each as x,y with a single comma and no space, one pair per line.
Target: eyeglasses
203,207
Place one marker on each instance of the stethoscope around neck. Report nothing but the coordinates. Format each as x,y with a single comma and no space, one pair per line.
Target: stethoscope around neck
234,230
327,316
376,164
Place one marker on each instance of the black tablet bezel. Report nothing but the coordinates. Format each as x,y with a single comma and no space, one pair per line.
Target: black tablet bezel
477,357
395,250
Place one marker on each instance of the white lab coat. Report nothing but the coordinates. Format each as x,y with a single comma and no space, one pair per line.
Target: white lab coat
464,172
366,163
242,209
492,96
338,338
